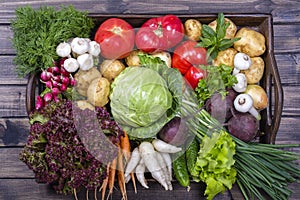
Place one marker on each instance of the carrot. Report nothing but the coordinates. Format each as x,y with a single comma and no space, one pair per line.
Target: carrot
121,177
105,181
111,176
126,148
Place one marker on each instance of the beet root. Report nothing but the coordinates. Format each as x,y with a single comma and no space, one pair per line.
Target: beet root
243,126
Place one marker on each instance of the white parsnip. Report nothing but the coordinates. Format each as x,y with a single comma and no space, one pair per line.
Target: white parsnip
164,147
164,168
140,173
133,161
148,154
168,160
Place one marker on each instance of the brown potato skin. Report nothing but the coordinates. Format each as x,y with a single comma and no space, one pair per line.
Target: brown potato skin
251,42
259,96
110,69
132,60
225,57
230,31
84,78
193,29
84,104
256,70
98,92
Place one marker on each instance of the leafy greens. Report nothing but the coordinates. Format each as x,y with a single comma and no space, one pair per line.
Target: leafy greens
152,98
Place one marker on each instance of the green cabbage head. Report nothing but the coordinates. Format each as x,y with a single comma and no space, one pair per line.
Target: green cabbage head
143,99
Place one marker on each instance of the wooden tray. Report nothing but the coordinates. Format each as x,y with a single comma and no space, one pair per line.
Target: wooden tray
271,116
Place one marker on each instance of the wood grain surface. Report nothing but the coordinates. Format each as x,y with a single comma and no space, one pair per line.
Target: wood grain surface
17,181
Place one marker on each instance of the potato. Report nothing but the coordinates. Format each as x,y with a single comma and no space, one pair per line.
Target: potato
259,96
83,104
256,70
110,69
225,57
84,78
98,92
193,29
132,60
251,42
164,56
230,31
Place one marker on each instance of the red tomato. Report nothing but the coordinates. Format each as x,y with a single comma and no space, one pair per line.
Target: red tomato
187,55
116,38
159,33
194,75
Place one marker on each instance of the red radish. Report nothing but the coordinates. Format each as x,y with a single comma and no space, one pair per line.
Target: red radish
39,103
55,91
57,78
55,83
55,70
48,84
48,97
63,87
45,76
72,82
65,80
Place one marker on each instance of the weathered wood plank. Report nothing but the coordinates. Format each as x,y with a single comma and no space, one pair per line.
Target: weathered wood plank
8,74
282,11
12,101
14,172
14,189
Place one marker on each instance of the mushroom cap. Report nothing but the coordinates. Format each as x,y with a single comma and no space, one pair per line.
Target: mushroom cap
242,61
243,103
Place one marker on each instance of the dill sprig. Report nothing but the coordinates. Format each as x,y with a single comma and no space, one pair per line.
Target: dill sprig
38,32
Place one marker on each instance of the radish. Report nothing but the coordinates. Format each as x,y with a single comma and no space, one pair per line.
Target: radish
164,147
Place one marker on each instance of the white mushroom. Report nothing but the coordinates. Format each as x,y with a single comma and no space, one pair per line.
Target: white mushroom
94,48
244,103
85,61
241,85
241,62
63,49
71,65
79,45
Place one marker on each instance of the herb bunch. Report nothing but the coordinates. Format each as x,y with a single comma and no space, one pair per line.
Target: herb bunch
38,32
215,41
217,80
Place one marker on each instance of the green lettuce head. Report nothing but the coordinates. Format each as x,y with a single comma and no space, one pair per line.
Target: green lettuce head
144,99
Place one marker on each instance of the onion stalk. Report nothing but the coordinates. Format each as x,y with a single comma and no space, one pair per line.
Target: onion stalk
261,168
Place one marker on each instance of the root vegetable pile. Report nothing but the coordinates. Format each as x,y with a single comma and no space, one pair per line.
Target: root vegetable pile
109,113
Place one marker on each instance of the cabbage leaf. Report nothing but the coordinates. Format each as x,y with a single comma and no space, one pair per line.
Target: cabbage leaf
143,99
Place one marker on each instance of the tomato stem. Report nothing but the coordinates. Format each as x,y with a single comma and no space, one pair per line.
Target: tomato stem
159,31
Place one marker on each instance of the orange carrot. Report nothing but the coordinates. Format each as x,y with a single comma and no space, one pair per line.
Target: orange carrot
126,148
105,181
112,175
121,177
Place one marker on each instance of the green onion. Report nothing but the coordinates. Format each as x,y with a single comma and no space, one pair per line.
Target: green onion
261,168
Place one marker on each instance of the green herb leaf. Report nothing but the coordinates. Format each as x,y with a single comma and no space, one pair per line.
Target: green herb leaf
218,79
38,32
215,41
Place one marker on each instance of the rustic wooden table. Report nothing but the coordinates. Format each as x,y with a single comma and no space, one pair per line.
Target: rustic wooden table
17,181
